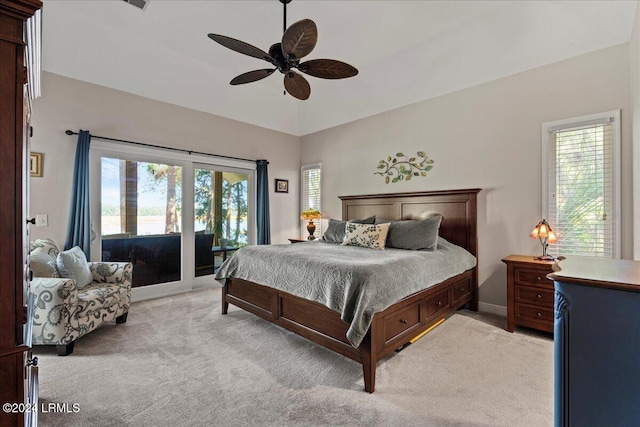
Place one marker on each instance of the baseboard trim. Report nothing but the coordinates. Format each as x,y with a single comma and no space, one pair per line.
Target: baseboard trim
162,290
492,308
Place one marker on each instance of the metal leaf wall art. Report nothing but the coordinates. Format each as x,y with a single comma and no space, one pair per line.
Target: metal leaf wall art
403,168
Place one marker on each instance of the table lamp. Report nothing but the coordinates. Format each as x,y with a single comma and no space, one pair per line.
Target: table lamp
545,234
310,215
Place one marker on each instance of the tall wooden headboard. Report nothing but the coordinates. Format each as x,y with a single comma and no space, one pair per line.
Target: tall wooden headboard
457,207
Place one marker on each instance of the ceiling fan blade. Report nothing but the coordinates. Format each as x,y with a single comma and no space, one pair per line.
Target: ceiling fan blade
252,76
327,69
300,39
297,86
240,47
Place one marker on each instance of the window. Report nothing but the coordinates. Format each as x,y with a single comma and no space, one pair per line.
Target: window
311,186
581,184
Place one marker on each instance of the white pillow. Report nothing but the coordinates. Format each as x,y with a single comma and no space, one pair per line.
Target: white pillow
72,264
366,235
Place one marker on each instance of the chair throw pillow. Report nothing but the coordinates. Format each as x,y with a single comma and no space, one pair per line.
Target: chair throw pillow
72,264
42,258
366,235
335,230
414,234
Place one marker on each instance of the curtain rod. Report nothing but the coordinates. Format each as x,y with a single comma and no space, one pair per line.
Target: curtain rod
182,150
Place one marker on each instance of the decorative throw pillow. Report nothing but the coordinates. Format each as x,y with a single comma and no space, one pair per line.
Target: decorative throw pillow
72,264
414,234
335,230
366,235
42,258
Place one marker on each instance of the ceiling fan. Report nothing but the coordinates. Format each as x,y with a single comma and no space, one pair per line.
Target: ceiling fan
297,42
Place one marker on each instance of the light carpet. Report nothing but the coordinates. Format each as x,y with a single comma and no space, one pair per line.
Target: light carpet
179,362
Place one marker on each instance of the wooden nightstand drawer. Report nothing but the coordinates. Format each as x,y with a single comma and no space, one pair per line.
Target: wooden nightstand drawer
537,277
537,296
535,313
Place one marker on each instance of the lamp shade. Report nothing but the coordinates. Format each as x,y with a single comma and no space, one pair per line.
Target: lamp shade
543,230
311,214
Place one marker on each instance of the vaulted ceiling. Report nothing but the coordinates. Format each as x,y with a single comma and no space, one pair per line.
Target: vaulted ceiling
406,51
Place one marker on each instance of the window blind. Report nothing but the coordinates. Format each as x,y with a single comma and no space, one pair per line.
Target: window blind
582,190
311,186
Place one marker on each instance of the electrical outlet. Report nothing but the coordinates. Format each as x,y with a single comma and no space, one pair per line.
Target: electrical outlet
42,221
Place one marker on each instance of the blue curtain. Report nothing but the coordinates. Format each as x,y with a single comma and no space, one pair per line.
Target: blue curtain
264,229
79,230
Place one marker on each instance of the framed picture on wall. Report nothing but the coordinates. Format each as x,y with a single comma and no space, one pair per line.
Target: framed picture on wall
282,185
35,164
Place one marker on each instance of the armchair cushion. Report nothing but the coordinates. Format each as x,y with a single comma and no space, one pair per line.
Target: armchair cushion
42,258
73,264
99,300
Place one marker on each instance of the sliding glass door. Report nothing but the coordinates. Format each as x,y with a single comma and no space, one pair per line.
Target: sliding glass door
175,216
221,209
140,218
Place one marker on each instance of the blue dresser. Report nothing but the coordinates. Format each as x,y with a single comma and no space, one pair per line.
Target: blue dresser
597,342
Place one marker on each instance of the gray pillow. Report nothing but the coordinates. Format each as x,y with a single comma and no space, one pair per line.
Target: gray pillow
72,264
414,234
336,229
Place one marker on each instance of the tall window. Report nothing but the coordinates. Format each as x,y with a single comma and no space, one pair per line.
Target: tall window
311,186
581,184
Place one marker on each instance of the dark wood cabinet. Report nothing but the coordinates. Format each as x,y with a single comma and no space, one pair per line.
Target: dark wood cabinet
529,293
15,352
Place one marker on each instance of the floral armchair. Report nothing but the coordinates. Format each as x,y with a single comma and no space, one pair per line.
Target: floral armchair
64,310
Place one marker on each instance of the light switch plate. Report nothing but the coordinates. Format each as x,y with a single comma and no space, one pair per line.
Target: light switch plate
42,221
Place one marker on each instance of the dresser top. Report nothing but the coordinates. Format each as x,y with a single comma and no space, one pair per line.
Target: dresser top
606,273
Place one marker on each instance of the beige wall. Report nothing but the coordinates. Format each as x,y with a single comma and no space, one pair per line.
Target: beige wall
71,104
487,136
634,57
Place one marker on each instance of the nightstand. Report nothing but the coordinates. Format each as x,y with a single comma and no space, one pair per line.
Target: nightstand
530,295
299,240
304,239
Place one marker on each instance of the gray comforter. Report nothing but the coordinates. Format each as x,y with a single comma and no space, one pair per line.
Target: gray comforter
354,281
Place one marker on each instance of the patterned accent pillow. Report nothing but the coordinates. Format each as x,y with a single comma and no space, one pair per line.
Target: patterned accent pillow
73,264
366,235
42,258
336,229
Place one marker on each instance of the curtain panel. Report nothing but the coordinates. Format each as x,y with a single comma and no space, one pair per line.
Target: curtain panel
262,206
79,229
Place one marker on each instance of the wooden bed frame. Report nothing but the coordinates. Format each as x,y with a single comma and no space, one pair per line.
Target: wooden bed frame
403,320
